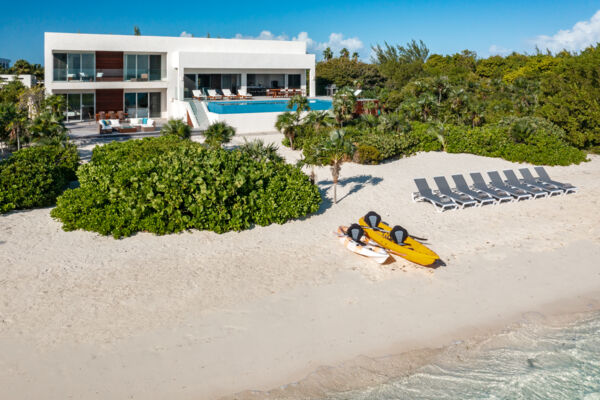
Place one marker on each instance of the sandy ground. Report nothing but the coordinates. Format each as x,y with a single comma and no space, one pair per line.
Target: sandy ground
199,315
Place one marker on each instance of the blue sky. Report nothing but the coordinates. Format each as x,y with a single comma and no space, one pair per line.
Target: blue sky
445,26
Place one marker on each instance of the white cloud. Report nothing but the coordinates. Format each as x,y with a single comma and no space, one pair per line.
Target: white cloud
186,34
336,41
499,50
582,35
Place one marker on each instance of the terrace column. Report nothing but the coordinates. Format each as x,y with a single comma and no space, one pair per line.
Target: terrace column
313,82
285,81
244,82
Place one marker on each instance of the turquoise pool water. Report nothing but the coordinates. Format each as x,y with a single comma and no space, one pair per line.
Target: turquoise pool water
261,106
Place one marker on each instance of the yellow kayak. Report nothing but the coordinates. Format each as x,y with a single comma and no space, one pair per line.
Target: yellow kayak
397,241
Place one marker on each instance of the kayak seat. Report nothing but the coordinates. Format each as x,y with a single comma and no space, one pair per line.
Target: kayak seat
355,232
372,219
398,234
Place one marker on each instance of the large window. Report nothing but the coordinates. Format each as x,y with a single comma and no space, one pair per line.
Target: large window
143,105
294,81
80,106
142,67
74,66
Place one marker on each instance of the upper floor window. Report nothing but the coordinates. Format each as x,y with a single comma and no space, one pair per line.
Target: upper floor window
142,67
74,67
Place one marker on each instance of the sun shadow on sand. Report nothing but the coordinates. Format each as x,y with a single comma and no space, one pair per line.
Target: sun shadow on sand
359,182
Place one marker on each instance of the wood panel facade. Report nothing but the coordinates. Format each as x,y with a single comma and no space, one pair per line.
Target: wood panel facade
110,65
109,100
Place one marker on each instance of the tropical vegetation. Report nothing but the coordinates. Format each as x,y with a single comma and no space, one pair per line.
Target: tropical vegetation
166,184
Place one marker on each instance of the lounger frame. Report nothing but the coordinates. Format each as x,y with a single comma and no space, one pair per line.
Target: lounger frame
462,199
426,194
502,196
517,193
463,187
528,178
544,177
511,179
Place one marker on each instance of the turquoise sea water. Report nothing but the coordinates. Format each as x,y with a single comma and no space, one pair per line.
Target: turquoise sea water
540,359
261,106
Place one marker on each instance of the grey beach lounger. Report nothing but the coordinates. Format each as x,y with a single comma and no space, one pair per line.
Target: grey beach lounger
511,179
425,193
479,184
462,199
548,187
516,192
544,177
482,197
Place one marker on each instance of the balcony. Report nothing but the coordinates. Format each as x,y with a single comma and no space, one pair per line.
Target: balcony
110,75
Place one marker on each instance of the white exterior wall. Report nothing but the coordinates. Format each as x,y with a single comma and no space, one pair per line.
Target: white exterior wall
180,55
27,80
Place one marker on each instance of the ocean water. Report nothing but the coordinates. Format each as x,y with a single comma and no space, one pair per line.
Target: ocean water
538,359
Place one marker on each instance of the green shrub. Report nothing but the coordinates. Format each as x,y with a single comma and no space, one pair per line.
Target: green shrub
525,139
366,154
218,134
35,176
176,127
164,185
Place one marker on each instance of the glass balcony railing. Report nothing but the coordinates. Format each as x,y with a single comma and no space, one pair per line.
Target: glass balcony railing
110,75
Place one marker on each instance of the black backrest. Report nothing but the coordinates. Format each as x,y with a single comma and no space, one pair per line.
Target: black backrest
355,232
460,182
398,234
526,174
496,178
542,173
372,219
511,176
442,184
477,178
423,186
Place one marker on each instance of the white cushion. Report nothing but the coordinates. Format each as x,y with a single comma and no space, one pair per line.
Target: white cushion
114,121
135,121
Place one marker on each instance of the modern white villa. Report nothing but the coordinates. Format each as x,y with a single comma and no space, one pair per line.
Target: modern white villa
156,77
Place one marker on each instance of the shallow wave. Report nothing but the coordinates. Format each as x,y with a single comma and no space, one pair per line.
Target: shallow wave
539,359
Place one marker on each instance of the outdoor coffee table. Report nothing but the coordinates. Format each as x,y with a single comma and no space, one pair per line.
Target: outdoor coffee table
127,129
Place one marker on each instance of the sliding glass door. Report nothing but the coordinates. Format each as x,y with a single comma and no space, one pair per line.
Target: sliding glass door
74,66
143,105
143,67
80,107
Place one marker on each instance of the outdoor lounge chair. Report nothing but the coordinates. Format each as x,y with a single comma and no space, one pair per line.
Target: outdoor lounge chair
213,95
511,179
197,94
482,197
227,93
462,199
440,202
529,179
544,177
243,94
104,126
516,192
499,194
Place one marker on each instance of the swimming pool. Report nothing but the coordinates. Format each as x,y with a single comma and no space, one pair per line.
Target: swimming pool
261,106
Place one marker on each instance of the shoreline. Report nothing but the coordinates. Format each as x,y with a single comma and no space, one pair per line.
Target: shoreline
199,315
365,371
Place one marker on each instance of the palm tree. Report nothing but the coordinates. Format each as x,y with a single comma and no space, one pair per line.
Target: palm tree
344,53
259,151
136,31
335,152
343,104
327,54
48,128
14,121
355,56
177,128
218,134
56,104
319,119
300,102
287,123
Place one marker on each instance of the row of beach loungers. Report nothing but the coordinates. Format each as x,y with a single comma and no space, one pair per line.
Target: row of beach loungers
497,191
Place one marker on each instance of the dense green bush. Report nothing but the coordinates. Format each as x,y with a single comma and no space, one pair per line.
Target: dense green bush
35,176
366,154
164,185
532,140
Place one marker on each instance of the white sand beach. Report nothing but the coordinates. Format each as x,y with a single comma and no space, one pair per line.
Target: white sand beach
199,315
